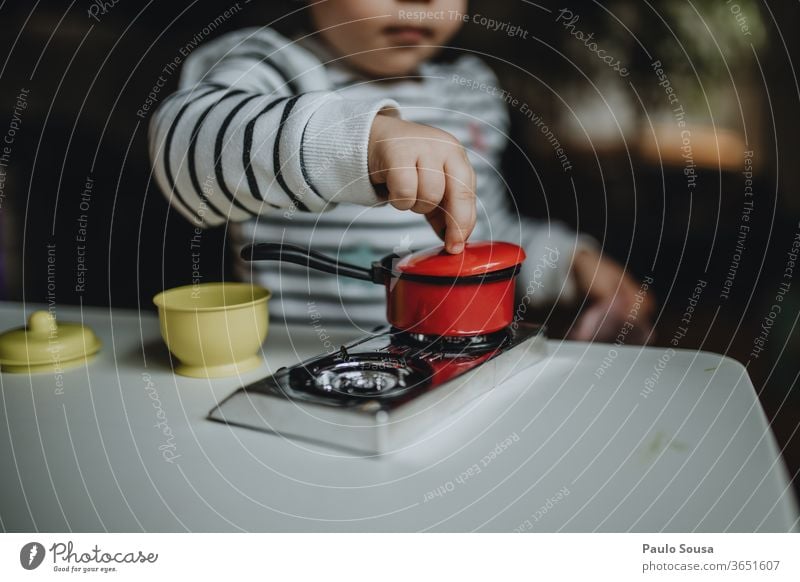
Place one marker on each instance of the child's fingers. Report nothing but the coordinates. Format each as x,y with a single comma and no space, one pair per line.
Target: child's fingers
437,221
589,323
430,189
459,204
401,181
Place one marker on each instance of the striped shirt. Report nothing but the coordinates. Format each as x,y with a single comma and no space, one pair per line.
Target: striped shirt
270,136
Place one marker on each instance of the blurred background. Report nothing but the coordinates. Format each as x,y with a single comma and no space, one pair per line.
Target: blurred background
75,178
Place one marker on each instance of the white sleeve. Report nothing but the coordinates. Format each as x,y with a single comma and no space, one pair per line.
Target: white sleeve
245,136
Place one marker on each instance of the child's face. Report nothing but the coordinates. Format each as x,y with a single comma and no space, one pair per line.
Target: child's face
387,37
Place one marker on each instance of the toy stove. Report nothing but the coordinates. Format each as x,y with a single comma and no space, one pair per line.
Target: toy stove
384,391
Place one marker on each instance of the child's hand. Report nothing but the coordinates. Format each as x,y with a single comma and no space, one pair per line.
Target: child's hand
425,170
615,301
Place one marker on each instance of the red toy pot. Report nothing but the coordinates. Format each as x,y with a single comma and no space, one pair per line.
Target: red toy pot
430,292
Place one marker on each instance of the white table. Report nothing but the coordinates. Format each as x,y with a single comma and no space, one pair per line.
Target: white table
695,453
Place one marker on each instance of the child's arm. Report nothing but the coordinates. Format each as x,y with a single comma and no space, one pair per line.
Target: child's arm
618,305
255,129
564,266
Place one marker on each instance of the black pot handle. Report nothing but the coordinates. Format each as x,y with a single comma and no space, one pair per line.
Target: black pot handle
311,259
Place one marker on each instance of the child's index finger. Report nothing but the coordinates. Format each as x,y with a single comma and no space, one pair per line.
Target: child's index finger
438,221
458,206
455,248
457,231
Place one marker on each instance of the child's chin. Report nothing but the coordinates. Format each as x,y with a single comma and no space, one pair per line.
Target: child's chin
390,66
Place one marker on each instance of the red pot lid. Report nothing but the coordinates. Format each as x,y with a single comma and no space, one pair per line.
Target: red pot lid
477,258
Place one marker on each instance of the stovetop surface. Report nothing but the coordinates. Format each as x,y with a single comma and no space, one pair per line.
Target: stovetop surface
389,367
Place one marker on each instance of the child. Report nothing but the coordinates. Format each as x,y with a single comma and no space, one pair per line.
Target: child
353,142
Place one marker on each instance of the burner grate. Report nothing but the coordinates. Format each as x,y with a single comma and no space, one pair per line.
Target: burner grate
360,375
453,345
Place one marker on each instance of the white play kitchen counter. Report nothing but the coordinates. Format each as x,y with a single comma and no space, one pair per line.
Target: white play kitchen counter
679,444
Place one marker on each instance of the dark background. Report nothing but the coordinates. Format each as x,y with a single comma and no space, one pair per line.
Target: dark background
87,79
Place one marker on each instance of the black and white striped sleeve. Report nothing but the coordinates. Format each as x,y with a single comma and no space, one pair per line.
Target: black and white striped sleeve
243,138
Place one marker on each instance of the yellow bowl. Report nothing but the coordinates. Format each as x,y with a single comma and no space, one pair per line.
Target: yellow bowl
214,329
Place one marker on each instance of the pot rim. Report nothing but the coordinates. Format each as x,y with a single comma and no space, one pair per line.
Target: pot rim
384,266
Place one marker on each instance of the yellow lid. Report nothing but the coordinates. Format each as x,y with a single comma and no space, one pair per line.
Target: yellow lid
46,345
